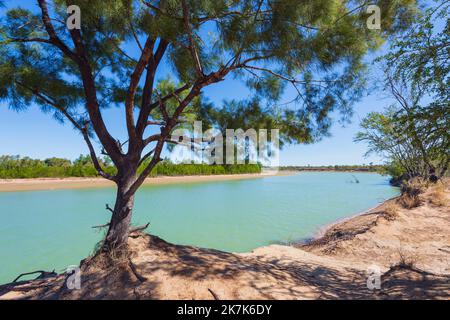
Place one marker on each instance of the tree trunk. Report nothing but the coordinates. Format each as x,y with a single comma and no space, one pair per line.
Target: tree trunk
119,226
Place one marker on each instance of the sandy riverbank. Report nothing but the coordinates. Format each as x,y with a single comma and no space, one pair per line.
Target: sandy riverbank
14,185
411,249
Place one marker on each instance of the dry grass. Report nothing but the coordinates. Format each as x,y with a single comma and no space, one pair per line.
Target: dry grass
438,195
391,211
406,261
110,259
411,191
409,202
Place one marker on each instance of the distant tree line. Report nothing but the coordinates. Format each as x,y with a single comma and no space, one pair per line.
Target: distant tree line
17,167
361,168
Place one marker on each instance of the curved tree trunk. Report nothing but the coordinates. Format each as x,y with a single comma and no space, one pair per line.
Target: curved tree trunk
119,226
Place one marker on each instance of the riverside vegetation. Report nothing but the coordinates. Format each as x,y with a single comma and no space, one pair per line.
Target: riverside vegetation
16,167
412,134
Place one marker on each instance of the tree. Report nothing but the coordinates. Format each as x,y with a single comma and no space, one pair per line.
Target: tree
413,137
420,56
315,46
418,72
414,132
385,136
57,162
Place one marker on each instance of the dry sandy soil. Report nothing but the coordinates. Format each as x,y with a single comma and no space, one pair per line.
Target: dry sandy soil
411,248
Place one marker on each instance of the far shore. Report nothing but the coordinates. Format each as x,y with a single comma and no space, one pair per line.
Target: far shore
15,185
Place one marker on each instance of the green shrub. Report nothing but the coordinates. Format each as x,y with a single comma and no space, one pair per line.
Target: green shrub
15,167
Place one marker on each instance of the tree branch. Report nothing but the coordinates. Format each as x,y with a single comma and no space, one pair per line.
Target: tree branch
140,228
192,47
107,207
101,226
171,95
152,138
160,11
162,108
134,33
52,33
134,82
24,40
146,156
83,131
156,158
92,104
146,106
155,123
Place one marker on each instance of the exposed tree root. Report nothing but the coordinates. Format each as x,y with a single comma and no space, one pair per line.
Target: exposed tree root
43,274
135,272
216,297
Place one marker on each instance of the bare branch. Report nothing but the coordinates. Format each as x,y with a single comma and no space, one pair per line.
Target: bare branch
101,226
107,207
140,228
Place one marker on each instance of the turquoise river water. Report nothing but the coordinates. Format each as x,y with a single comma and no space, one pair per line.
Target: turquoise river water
52,229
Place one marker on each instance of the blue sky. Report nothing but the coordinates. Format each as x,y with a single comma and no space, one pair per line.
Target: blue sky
38,135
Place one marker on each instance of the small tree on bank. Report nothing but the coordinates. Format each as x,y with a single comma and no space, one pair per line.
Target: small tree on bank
315,46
